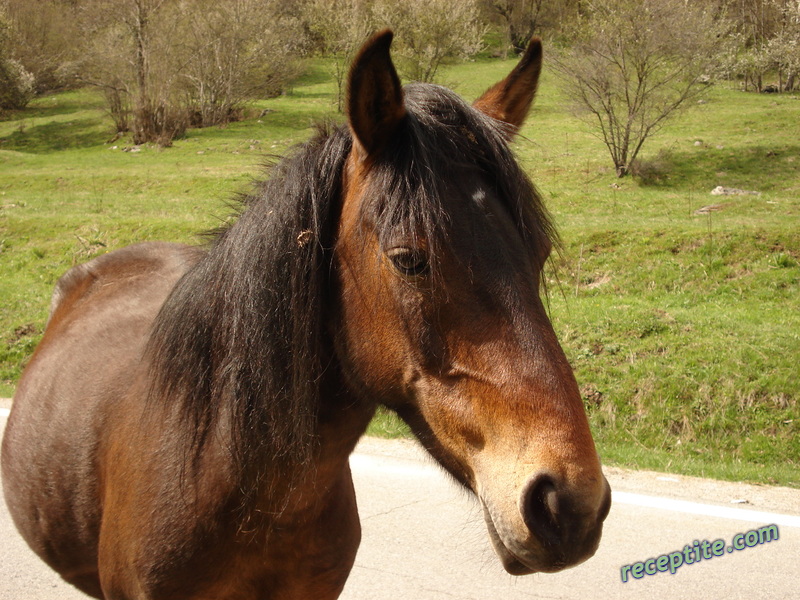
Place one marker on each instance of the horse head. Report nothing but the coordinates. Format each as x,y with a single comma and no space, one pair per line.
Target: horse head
438,263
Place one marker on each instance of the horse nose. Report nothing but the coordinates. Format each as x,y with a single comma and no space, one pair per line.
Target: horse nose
568,524
541,509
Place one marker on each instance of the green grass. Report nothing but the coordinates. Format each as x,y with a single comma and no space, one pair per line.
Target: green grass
683,328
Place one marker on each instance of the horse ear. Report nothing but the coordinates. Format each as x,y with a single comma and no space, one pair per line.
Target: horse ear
374,95
510,99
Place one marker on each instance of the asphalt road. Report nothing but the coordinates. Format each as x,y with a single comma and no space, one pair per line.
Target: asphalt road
424,539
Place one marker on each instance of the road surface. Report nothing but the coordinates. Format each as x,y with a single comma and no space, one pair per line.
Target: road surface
424,539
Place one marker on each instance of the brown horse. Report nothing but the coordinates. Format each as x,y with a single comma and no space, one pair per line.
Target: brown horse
183,429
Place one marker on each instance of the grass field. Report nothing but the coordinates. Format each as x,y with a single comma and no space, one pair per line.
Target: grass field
683,327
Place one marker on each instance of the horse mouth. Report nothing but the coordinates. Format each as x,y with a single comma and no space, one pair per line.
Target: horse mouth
517,565
511,563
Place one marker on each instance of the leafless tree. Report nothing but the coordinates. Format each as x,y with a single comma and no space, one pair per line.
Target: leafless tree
165,65
633,64
429,31
521,19
230,52
131,58
336,31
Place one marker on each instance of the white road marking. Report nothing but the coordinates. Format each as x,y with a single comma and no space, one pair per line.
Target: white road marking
709,510
4,412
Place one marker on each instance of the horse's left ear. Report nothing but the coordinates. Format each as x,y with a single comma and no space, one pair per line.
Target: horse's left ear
510,99
374,96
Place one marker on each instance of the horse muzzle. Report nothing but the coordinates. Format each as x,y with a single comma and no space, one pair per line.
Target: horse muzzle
551,527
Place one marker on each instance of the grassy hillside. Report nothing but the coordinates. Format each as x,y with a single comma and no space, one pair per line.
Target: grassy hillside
683,324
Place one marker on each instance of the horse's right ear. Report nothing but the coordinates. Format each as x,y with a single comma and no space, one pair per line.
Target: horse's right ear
510,100
374,96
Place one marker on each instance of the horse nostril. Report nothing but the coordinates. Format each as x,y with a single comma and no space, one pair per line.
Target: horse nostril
605,507
541,509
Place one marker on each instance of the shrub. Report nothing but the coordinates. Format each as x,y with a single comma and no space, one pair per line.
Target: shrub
17,86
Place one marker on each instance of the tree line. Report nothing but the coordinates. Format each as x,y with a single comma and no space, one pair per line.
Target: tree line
166,65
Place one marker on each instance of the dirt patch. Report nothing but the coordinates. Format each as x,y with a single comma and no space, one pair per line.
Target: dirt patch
22,331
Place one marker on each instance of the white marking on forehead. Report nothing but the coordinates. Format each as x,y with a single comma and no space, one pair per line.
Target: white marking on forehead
479,196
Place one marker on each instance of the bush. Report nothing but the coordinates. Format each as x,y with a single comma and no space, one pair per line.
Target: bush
633,64
45,40
231,53
159,123
17,86
167,65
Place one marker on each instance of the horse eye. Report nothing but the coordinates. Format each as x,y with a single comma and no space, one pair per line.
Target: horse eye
409,262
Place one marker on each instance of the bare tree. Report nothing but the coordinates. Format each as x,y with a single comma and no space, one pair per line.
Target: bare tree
521,20
131,58
429,31
230,52
337,30
165,65
633,64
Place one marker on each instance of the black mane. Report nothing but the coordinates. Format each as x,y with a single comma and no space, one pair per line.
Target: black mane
245,328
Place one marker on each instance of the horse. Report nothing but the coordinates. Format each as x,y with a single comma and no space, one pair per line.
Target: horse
184,427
